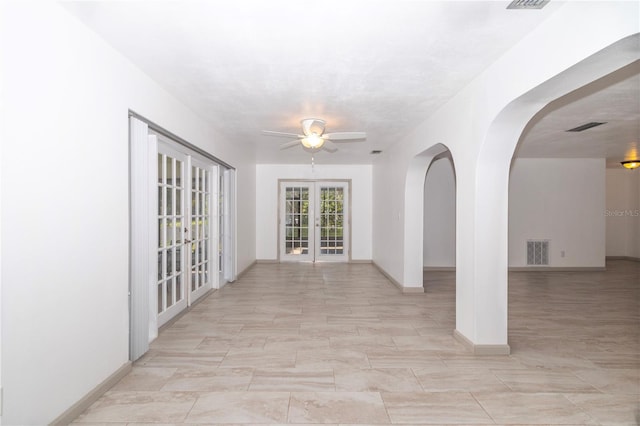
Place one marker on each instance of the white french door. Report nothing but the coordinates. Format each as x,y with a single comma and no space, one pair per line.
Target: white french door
185,230
314,221
203,267
171,225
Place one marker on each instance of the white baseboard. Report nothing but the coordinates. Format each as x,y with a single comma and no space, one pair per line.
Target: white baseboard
557,268
271,261
244,271
402,288
484,350
541,268
85,402
630,258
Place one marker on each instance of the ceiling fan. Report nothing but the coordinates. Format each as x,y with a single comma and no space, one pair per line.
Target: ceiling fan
313,137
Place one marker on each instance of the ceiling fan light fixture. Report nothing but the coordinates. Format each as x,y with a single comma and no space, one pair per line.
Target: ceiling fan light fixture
313,141
630,164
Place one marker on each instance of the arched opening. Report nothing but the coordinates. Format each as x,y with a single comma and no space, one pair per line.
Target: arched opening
559,218
482,197
439,238
488,320
414,213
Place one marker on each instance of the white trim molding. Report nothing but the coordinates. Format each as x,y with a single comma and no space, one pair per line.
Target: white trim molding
439,268
85,402
484,350
402,288
629,258
557,269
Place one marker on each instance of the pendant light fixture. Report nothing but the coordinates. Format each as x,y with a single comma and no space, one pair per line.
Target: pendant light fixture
631,164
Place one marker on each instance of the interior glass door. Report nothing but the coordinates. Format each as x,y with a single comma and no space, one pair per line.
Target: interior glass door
171,226
332,221
201,259
296,221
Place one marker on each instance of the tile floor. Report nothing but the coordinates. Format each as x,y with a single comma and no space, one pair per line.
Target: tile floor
338,344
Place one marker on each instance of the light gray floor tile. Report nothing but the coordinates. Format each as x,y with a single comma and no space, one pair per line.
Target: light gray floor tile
292,379
376,380
240,407
337,407
533,408
434,408
334,335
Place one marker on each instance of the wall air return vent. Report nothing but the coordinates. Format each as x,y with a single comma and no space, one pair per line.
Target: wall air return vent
586,126
537,252
527,4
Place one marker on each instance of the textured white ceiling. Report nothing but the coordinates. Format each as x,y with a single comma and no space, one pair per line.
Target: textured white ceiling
617,104
376,66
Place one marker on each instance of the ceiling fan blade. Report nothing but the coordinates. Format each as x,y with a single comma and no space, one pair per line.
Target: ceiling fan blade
328,149
281,134
344,136
289,144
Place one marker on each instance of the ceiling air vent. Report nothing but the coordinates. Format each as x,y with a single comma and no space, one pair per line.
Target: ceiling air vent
376,152
586,126
527,4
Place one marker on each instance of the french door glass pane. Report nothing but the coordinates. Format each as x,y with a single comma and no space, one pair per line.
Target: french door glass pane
179,287
169,170
170,299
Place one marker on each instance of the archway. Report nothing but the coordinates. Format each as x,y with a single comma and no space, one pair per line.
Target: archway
483,318
414,215
439,233
482,178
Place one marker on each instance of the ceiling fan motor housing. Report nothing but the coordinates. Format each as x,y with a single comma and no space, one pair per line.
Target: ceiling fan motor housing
312,125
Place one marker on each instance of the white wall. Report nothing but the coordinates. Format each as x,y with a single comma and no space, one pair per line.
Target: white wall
548,199
440,215
561,200
65,212
267,176
623,212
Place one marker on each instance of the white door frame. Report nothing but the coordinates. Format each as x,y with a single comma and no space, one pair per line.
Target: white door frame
314,252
